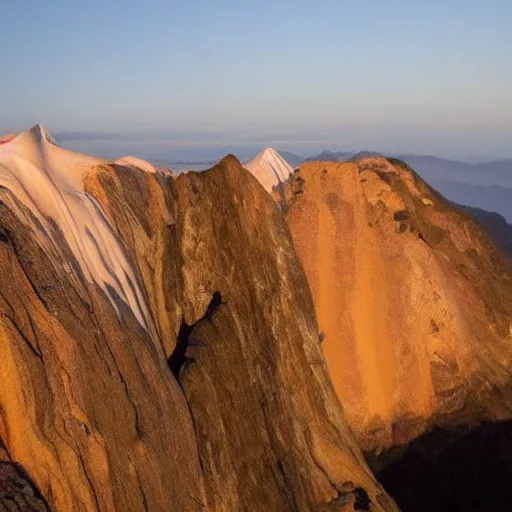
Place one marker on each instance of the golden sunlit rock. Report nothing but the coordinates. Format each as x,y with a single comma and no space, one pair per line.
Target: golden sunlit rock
158,344
414,303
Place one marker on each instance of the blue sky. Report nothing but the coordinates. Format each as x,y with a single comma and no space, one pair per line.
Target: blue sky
431,77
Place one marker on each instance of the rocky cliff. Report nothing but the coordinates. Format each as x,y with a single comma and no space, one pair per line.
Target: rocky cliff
158,345
413,301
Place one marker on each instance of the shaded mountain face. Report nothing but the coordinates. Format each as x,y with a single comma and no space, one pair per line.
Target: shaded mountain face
498,228
491,198
452,469
17,490
292,159
159,344
413,301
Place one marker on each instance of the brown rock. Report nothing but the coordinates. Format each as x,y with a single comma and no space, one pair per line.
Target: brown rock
221,401
83,393
18,492
413,301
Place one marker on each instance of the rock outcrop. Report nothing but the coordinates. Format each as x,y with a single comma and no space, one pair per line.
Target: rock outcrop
158,344
413,301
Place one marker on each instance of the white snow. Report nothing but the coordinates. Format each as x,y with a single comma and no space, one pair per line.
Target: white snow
48,180
269,168
135,161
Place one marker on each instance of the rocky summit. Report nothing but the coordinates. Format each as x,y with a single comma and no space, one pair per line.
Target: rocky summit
158,344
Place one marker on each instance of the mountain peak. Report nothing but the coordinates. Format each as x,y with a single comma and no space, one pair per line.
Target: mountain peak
269,168
268,152
34,138
40,132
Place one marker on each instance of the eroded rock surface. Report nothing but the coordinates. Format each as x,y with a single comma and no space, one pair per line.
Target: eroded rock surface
413,301
186,373
18,492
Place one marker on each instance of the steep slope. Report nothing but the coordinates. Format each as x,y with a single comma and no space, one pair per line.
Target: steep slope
493,198
159,345
498,228
83,382
269,168
413,300
291,158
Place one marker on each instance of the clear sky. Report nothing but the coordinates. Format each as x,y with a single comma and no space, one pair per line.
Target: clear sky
396,75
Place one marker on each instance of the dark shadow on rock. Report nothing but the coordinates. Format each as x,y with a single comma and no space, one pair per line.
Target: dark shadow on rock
179,356
17,491
451,469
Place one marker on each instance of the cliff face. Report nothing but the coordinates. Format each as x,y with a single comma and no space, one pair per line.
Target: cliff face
159,345
413,301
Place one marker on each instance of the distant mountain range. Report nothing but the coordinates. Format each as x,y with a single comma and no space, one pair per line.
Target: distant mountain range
483,174
496,226
498,172
491,198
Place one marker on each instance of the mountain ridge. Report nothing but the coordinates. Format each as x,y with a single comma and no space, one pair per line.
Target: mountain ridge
218,400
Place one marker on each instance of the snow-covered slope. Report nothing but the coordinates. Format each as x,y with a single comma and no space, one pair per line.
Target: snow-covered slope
48,181
269,168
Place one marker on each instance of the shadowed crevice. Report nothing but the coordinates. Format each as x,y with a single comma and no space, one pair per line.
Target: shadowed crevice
179,357
18,491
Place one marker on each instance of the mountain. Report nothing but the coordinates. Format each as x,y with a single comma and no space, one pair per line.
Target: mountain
293,159
412,298
331,156
484,185
269,168
492,198
159,345
414,305
432,168
341,156
495,224
484,174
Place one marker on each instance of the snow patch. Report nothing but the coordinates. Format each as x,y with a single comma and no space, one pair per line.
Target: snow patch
135,161
48,180
269,168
